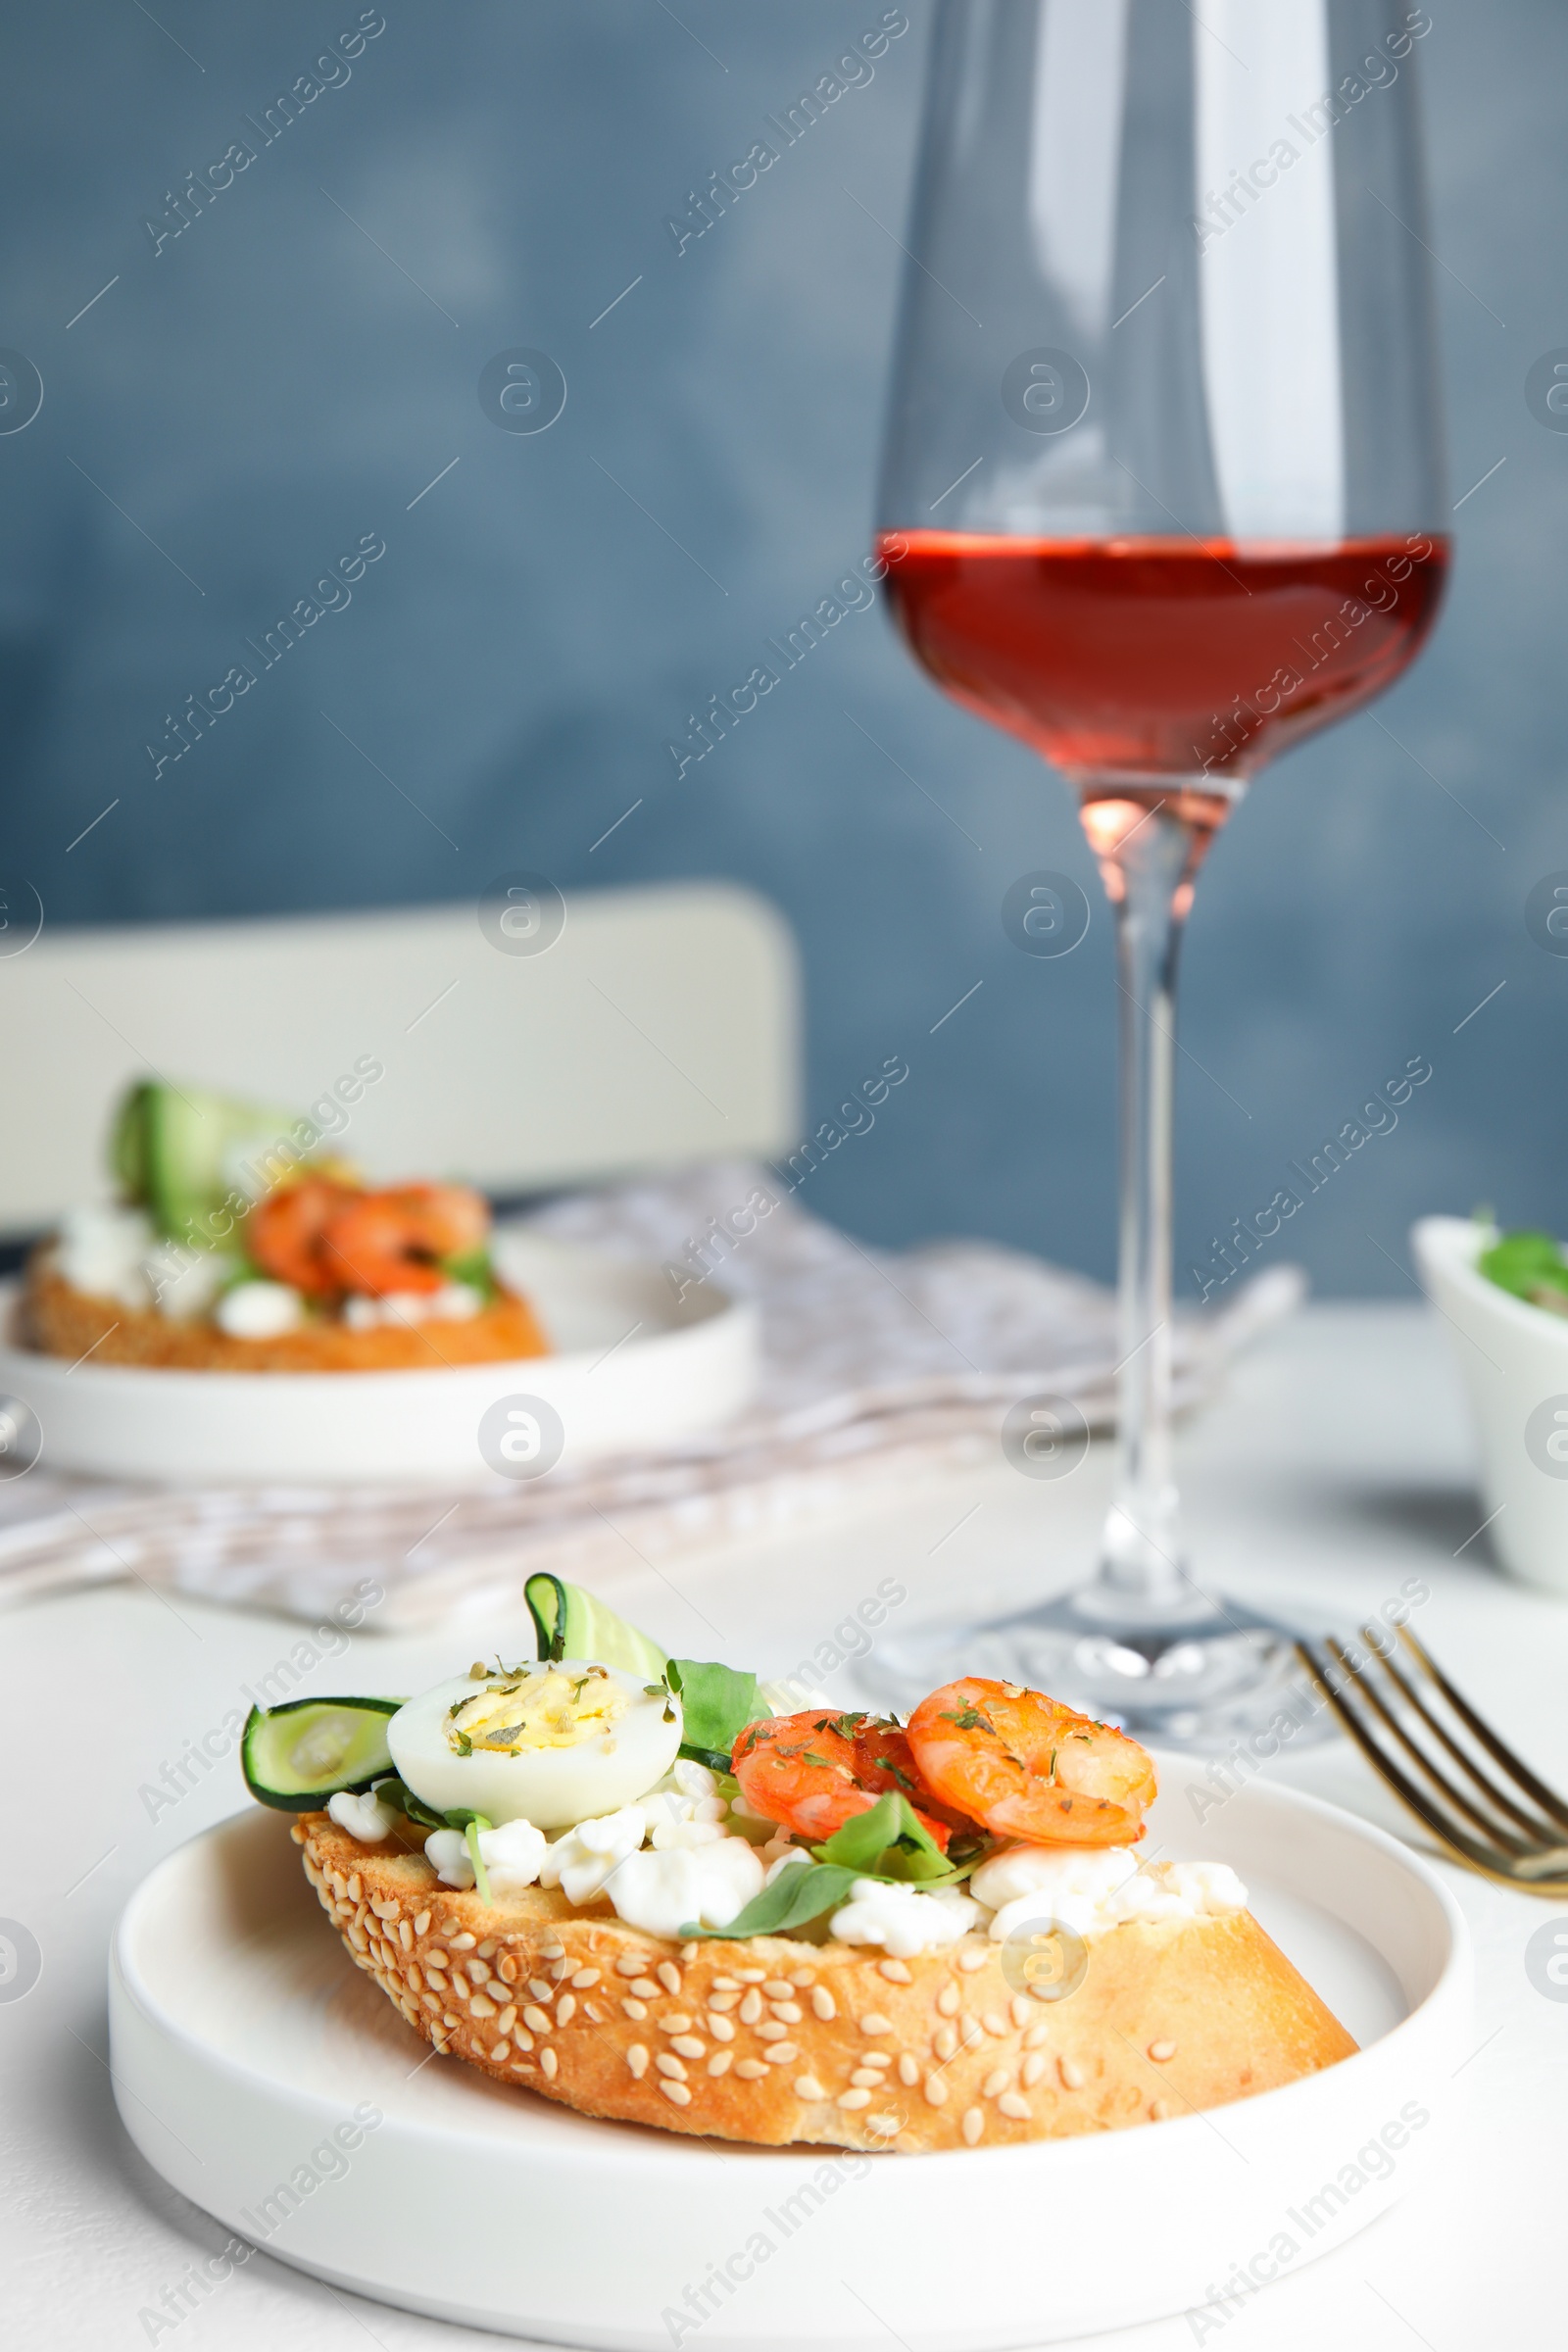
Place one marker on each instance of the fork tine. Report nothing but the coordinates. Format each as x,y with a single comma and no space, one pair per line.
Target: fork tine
1535,1790
1538,1832
1545,1832
1503,1840
1482,1858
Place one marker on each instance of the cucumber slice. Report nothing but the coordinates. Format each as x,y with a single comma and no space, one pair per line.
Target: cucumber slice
128,1143
297,1755
178,1151
572,1624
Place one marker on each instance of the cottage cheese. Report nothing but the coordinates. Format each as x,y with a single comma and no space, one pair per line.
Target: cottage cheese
512,1855
664,1893
186,1282
114,1252
903,1920
779,1854
685,1808
101,1250
454,1303
363,1817
676,1857
259,1311
1093,1888
581,1862
447,1853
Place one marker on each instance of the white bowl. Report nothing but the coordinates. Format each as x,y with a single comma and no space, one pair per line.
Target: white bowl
636,1368
1514,1360
240,2035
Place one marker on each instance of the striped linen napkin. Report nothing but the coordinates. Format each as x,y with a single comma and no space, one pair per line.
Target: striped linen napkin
876,1366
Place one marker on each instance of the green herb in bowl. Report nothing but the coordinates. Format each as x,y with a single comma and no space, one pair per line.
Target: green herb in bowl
1532,1266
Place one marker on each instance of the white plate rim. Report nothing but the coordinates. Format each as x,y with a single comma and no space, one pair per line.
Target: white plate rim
409,1426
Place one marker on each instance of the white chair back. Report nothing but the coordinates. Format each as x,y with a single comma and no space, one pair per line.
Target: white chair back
662,1026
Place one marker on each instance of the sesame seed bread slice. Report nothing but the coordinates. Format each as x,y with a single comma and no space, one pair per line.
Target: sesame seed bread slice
56,1319
777,2039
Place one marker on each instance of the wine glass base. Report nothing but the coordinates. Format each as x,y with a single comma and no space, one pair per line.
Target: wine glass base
1207,1682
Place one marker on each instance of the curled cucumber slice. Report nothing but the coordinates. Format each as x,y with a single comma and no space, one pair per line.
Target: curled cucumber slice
297,1755
571,1623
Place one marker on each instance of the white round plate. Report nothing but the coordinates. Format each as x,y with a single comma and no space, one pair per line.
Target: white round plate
242,2038
635,1368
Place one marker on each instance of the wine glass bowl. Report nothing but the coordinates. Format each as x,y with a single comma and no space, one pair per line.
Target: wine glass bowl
1162,495
1160,661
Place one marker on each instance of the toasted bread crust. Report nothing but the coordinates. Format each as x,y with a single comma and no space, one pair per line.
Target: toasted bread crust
59,1320
777,2039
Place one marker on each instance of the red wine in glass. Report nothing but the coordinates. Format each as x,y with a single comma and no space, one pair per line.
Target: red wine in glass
1162,658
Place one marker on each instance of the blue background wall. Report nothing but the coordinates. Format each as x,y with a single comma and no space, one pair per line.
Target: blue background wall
292,371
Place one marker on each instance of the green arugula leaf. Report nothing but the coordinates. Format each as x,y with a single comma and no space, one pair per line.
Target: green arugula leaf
464,1818
401,1800
471,1839
717,1704
1525,1263
888,1842
475,1269
914,1867
798,1895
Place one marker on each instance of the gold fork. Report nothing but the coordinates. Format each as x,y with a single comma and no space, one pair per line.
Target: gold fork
1516,1832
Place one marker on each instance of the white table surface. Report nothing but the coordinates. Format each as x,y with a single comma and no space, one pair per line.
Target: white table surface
1337,1464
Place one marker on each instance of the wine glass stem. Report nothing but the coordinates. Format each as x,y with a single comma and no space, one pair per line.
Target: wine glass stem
1149,872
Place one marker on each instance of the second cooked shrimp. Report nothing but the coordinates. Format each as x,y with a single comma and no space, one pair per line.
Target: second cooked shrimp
283,1233
382,1242
1024,1766
814,1772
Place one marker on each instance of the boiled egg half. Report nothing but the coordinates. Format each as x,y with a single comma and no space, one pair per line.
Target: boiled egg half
554,1743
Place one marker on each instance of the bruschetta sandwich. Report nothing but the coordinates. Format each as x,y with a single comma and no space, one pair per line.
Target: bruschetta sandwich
648,1889
238,1242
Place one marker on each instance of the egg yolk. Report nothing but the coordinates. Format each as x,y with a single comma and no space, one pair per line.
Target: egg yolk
554,1709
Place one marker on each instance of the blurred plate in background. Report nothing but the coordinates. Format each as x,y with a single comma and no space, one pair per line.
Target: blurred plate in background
635,1370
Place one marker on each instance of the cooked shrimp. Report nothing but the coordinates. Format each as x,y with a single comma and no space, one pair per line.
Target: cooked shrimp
814,1772
884,1759
1025,1766
283,1233
381,1243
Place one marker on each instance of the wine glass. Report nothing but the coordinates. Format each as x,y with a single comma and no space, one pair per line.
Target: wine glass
1162,494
